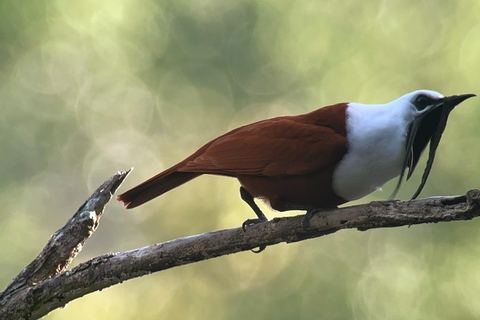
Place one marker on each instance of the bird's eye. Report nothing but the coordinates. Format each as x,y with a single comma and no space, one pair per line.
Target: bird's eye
421,102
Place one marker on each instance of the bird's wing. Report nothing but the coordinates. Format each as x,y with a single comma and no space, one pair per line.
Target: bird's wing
281,146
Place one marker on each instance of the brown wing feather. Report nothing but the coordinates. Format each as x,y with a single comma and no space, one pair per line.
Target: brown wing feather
282,146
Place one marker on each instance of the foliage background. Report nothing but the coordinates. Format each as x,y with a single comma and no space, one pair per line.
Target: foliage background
91,87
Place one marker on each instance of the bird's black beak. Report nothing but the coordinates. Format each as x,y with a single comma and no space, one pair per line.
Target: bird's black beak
427,127
453,101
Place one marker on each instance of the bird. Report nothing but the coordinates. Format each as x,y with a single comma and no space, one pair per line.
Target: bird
318,160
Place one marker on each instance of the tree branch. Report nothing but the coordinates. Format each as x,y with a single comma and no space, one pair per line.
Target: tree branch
63,246
35,300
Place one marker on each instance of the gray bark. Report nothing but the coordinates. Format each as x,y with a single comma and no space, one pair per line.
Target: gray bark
46,284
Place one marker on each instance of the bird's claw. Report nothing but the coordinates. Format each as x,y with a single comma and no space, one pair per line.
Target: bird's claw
308,216
251,222
305,223
260,249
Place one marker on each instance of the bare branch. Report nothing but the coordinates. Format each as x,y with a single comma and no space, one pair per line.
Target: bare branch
110,269
65,244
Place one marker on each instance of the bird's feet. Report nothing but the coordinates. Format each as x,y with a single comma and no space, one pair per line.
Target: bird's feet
260,248
308,216
248,198
306,219
251,222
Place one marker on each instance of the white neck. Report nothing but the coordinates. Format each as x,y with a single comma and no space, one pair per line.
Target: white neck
376,137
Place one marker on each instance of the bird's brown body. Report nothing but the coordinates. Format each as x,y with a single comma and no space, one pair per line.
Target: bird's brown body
317,160
287,161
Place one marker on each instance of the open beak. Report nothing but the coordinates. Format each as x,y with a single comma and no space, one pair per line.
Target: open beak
427,128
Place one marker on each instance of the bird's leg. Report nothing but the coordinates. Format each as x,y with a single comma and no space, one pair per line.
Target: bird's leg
247,197
311,211
306,219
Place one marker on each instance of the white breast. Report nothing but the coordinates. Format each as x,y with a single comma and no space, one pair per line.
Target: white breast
376,137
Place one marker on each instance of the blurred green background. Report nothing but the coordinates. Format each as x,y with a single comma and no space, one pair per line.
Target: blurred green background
91,87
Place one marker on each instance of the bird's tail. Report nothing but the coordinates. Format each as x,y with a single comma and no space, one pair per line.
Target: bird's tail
155,186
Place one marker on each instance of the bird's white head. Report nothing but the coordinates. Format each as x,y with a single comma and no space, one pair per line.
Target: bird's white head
425,125
412,105
384,140
416,102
